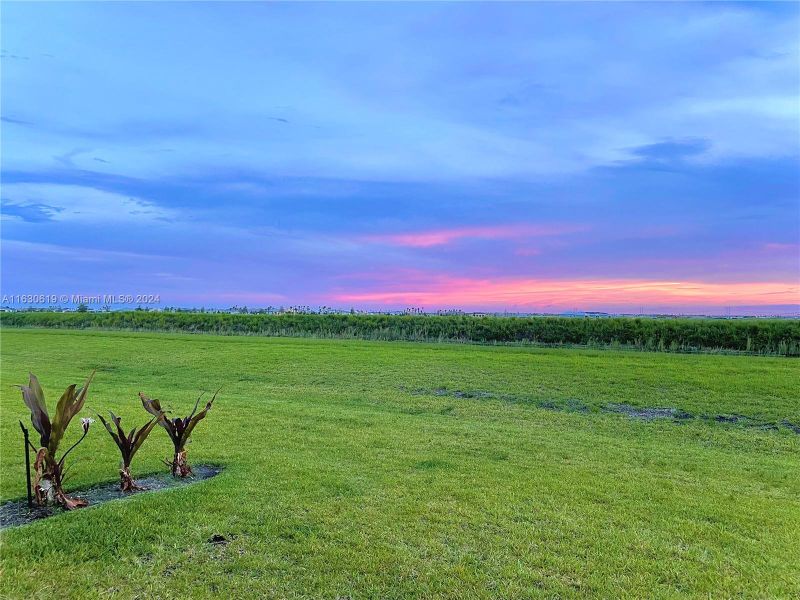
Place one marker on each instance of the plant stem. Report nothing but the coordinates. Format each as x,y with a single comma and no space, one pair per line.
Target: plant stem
64,456
27,464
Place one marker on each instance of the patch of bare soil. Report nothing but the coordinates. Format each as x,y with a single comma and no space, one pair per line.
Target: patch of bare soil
648,414
16,512
675,415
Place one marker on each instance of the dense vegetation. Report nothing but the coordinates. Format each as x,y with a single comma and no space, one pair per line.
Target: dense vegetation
758,336
375,470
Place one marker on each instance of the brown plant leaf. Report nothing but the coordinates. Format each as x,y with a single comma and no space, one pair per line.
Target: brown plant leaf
33,396
141,436
69,405
109,429
197,418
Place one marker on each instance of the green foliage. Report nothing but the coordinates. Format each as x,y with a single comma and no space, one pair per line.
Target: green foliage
757,336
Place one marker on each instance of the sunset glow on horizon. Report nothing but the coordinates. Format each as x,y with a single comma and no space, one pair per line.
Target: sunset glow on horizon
529,294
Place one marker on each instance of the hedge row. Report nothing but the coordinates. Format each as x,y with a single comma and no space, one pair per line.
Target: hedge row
757,336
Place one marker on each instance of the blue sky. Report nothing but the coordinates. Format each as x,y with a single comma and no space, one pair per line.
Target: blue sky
493,156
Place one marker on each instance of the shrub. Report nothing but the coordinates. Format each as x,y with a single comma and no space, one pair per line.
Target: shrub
128,446
179,430
49,471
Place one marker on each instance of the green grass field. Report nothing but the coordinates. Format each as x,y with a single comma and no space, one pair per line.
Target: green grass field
392,470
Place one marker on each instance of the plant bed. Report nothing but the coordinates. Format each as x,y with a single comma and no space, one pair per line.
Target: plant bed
16,512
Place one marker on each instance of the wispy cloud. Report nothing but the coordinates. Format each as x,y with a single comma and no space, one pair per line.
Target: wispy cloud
672,150
40,251
13,121
58,202
441,237
258,298
783,248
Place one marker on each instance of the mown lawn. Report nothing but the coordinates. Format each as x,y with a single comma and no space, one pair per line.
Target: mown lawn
389,470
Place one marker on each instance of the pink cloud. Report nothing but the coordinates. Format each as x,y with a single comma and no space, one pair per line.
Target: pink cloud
773,247
435,291
440,237
257,298
527,251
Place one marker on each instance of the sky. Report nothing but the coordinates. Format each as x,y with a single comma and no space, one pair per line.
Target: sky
524,157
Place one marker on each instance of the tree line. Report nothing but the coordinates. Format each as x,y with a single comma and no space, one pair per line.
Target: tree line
756,336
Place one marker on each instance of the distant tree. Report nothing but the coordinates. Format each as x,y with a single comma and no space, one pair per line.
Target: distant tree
82,307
